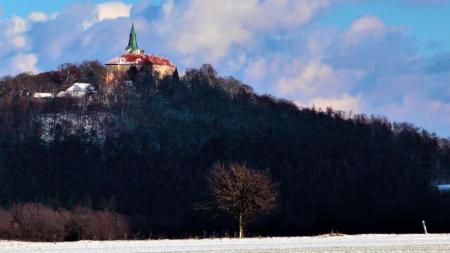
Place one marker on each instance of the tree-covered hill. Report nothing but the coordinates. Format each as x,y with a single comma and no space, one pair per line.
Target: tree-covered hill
144,151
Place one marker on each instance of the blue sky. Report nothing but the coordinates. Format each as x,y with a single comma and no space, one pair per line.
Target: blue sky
378,57
25,7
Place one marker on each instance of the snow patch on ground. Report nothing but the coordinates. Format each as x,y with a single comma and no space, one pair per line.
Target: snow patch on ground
358,243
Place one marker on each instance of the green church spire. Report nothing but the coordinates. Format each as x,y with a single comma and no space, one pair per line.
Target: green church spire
132,44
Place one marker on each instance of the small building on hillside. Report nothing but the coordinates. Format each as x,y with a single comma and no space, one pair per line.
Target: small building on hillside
134,56
77,90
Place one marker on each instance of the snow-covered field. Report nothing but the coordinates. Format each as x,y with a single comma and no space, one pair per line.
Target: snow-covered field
320,244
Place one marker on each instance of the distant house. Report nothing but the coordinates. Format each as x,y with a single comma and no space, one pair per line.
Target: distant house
43,95
77,90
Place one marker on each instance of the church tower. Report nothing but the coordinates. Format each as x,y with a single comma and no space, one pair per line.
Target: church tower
133,47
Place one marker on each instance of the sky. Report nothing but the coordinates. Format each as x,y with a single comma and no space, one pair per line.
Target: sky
379,57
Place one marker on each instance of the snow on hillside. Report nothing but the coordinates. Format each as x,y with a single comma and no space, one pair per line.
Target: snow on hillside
72,121
359,243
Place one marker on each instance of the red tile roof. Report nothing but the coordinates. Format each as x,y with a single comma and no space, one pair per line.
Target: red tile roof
130,59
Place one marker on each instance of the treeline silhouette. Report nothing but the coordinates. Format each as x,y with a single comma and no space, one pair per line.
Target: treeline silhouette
144,151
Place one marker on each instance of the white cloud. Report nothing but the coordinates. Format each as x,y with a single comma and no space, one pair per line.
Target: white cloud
314,78
257,69
309,80
236,63
209,29
18,40
15,32
19,25
168,7
25,63
343,103
108,11
113,10
285,14
425,111
365,27
38,17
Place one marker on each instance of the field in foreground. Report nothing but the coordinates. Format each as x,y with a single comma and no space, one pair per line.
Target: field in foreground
320,244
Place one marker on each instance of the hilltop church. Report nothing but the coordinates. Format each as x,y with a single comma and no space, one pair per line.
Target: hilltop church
134,56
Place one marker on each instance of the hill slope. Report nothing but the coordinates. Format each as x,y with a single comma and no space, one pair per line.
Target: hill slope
145,152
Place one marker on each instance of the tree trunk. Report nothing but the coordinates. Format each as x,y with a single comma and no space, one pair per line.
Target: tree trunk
241,226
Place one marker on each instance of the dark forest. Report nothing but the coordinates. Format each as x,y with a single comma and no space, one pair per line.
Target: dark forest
142,152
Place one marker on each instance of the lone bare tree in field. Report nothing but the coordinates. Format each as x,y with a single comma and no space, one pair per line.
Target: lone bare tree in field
242,192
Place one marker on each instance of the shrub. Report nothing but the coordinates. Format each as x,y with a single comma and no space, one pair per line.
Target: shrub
36,222
99,225
6,224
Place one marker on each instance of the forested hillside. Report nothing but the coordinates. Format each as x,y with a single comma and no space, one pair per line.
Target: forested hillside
144,152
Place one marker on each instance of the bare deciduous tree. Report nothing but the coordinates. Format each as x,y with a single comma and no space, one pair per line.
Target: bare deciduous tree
241,192
68,73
